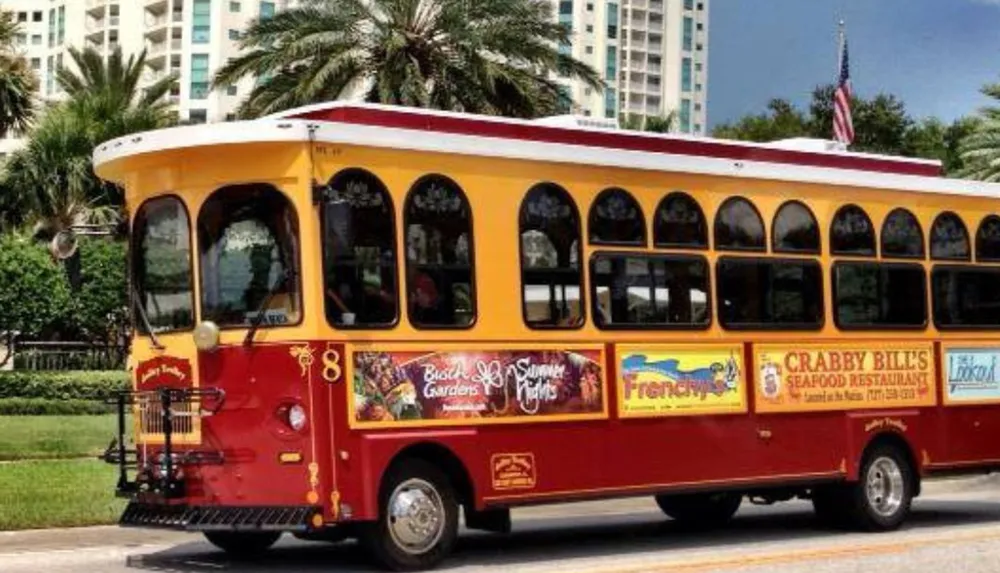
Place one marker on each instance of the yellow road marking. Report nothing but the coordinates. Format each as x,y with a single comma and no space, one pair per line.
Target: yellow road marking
700,564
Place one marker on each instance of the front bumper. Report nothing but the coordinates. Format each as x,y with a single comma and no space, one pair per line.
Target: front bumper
220,518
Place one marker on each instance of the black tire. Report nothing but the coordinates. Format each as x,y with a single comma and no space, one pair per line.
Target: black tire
384,539
881,508
334,534
240,544
701,510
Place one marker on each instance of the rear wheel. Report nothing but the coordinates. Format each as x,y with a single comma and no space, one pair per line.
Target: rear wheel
880,499
418,518
701,509
243,544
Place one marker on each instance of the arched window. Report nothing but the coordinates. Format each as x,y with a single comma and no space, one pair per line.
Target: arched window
988,239
359,251
852,232
551,279
161,265
616,219
439,254
680,223
795,229
738,226
949,238
901,235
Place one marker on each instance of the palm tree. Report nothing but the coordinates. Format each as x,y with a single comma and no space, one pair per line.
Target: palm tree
481,56
980,150
18,83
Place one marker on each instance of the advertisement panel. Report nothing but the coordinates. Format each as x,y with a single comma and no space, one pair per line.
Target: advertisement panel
411,387
814,377
970,374
679,380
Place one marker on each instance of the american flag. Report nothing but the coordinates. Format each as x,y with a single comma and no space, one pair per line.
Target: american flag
843,124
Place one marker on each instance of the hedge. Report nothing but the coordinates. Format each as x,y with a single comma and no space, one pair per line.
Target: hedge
63,385
49,407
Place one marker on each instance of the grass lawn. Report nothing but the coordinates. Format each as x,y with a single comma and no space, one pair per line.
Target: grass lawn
57,493
50,437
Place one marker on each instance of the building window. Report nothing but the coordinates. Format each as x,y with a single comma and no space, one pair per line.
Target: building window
697,87
36,63
266,10
680,223
590,7
440,282
198,116
697,107
590,28
234,7
686,74
795,230
37,16
661,291
852,232
873,295
698,67
359,251
201,22
616,219
234,34
231,90
22,16
61,38
738,226
36,39
612,20
762,293
688,37
551,279
697,128
589,49
689,4
700,27
611,65
199,76
610,101
988,239
901,235
685,115
21,39
949,238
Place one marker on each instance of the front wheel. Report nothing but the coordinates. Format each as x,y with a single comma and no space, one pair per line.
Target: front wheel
418,518
701,510
243,544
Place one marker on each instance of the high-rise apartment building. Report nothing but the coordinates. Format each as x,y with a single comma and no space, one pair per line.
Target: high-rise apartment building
191,38
653,55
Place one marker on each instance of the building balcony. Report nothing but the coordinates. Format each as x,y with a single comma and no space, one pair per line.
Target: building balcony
96,6
157,6
95,25
177,17
638,4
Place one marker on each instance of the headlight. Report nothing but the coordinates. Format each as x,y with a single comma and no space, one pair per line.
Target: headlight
296,417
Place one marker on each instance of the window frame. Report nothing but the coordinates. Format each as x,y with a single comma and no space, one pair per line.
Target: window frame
965,231
709,295
473,292
875,237
608,191
395,254
715,222
579,248
704,221
774,235
928,305
765,327
296,258
920,229
978,258
130,269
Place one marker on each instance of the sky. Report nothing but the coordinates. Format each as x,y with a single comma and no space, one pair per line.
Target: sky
935,55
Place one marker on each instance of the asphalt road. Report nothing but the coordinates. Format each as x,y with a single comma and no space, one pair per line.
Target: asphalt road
955,527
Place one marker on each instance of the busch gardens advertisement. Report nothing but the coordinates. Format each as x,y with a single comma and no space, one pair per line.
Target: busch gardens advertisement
405,387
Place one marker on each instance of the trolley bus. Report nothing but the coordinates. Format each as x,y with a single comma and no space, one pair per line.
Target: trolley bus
362,321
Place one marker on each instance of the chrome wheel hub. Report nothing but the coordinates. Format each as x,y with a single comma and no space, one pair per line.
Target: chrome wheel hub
884,487
416,516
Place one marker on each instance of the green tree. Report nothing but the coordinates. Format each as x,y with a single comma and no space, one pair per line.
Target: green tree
780,121
33,293
18,82
655,124
979,149
496,57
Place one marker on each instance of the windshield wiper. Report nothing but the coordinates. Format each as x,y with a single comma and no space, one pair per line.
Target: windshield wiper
145,318
278,284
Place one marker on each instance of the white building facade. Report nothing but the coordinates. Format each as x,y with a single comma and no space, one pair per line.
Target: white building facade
191,38
653,54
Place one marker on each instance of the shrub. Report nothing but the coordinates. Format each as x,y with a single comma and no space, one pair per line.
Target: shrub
49,407
63,385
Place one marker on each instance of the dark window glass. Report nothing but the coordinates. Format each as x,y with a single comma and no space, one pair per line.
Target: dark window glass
161,265
248,241
359,251
679,222
966,296
949,238
852,232
870,295
651,291
738,226
440,285
550,258
762,293
901,235
616,219
988,239
795,229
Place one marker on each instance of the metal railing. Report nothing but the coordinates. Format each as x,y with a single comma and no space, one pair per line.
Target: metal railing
67,356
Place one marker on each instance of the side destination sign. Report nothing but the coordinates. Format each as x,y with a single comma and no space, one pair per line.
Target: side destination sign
971,375
814,377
